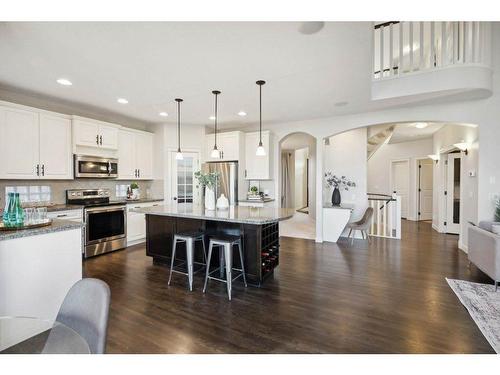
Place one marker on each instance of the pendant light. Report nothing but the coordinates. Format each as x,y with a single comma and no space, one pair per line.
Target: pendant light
179,156
215,152
260,149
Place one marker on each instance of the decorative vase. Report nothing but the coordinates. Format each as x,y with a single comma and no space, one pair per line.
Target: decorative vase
222,202
209,199
136,194
336,197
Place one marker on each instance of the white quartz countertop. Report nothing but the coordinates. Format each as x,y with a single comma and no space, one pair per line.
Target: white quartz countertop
235,214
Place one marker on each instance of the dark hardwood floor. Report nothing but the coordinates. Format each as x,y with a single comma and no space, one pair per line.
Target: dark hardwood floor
387,297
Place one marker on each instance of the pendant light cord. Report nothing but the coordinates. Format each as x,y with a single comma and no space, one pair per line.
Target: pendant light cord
178,124
260,113
215,120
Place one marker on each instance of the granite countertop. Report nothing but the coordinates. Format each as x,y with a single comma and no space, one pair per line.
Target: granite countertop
56,226
235,214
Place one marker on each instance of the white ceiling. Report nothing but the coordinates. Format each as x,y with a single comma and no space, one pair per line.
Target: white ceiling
150,64
407,132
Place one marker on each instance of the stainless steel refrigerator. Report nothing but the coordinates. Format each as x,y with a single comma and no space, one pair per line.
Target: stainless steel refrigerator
228,179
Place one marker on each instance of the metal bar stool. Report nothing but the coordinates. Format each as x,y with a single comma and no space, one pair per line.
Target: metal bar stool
225,244
189,238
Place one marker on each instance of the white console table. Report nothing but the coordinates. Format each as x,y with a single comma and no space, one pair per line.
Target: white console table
335,219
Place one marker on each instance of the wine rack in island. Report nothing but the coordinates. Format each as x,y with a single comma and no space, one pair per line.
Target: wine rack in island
270,244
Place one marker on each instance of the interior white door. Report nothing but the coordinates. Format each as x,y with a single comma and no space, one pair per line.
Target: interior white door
425,169
453,198
183,184
144,156
55,148
400,183
127,168
19,142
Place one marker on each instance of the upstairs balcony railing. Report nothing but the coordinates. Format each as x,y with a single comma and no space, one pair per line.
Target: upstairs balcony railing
402,47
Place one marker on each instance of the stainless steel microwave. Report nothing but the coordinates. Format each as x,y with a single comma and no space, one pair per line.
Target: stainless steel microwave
95,167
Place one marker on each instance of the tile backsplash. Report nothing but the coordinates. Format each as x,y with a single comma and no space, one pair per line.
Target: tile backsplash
58,187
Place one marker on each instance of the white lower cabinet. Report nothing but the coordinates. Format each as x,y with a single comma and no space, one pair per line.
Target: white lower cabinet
71,215
136,222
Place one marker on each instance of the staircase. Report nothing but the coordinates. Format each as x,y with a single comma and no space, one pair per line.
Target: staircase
377,140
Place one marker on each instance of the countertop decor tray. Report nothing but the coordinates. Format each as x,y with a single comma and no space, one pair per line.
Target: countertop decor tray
3,227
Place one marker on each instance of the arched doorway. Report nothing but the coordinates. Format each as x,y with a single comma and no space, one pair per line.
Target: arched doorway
297,184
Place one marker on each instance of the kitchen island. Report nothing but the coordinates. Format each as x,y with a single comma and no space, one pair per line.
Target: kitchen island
258,227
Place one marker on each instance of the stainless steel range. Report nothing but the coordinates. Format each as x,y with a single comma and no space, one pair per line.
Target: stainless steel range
105,221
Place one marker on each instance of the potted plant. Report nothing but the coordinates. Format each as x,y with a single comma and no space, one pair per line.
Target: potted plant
337,183
134,186
209,181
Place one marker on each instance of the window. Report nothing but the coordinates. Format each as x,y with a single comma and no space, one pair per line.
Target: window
31,194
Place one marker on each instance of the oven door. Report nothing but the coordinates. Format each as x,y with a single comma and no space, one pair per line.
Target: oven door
93,167
105,224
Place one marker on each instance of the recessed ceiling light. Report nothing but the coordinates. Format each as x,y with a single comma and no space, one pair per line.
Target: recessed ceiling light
421,125
64,82
211,118
242,113
122,100
163,114
341,104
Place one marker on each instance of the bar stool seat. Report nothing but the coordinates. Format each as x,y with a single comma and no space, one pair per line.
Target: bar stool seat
189,238
225,243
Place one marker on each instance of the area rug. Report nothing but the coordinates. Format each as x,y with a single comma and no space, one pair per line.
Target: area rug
483,304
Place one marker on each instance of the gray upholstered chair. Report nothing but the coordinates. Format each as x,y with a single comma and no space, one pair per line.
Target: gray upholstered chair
85,309
362,225
483,249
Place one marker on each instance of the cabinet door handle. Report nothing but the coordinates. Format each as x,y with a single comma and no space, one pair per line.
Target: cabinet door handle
245,172
97,139
38,169
139,173
62,215
43,169
100,138
135,172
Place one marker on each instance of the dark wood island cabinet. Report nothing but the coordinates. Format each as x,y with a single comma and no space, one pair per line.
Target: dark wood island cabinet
259,228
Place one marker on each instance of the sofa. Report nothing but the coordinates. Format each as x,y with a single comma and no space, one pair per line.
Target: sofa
484,249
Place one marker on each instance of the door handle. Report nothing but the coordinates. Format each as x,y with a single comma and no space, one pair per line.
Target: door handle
175,198
97,139
100,139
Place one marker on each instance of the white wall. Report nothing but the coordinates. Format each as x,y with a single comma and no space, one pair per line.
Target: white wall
346,156
379,168
482,112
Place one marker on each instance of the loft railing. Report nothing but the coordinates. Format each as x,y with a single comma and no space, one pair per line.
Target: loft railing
402,47
386,220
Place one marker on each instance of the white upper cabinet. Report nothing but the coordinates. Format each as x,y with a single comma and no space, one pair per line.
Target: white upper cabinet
144,155
55,148
95,134
19,143
230,146
35,145
258,167
135,155
127,169
108,137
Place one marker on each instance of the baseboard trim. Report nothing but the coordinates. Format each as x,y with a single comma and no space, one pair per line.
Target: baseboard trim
135,242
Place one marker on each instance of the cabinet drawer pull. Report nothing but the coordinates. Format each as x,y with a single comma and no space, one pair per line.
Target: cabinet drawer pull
62,215
97,139
100,137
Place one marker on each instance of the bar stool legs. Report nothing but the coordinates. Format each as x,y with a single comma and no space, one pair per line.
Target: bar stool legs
226,262
189,240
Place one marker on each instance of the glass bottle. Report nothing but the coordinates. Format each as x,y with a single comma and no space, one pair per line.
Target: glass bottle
18,212
7,210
